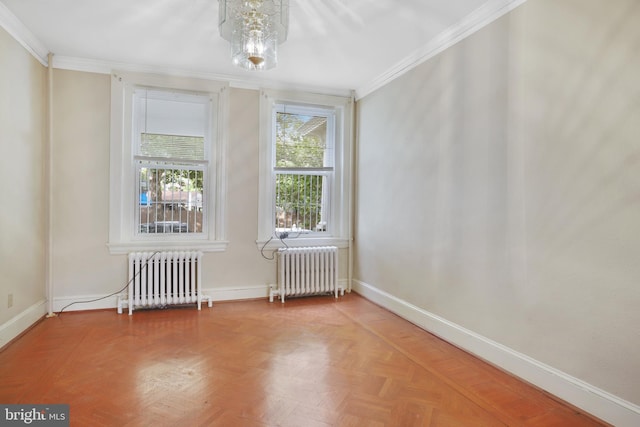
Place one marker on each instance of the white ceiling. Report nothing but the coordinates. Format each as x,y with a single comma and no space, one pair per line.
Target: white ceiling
333,45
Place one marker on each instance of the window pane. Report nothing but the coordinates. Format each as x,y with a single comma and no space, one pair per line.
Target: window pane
299,202
170,124
301,141
170,199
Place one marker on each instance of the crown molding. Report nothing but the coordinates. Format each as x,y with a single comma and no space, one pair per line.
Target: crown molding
473,22
106,67
23,35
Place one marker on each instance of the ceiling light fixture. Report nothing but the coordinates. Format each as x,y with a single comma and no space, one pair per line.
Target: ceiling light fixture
254,28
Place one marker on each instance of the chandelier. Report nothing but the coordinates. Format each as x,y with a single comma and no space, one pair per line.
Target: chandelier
254,28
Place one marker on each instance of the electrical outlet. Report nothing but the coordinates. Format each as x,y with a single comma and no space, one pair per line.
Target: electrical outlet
10,301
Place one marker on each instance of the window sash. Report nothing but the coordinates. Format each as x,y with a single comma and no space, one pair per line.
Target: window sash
302,201
327,113
304,170
174,206
198,126
302,205
163,209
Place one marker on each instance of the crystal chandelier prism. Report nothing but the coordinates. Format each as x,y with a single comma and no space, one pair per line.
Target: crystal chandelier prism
254,28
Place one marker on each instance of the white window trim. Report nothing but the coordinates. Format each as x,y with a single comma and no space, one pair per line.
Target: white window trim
341,195
122,237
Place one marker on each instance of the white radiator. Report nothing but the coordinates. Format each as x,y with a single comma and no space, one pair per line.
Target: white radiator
307,271
158,279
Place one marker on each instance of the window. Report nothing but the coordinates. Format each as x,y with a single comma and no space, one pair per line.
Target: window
167,164
170,130
305,169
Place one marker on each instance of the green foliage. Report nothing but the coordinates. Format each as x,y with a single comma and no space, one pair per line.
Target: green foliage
298,200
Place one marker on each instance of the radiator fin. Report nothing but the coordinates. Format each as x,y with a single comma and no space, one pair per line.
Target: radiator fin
157,279
307,271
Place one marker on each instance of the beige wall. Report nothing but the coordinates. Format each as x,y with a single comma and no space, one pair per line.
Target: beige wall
498,187
241,265
22,161
82,265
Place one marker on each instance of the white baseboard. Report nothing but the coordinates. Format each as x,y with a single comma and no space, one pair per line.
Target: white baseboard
228,293
84,302
21,322
232,293
94,302
593,400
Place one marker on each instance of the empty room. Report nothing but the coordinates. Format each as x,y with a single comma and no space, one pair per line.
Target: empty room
335,213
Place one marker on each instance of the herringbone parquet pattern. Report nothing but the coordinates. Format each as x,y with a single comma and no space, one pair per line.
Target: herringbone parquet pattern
308,362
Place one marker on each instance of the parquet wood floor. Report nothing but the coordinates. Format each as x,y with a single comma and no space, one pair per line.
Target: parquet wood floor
308,362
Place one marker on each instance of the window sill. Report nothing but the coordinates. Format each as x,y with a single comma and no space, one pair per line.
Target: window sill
205,246
275,243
